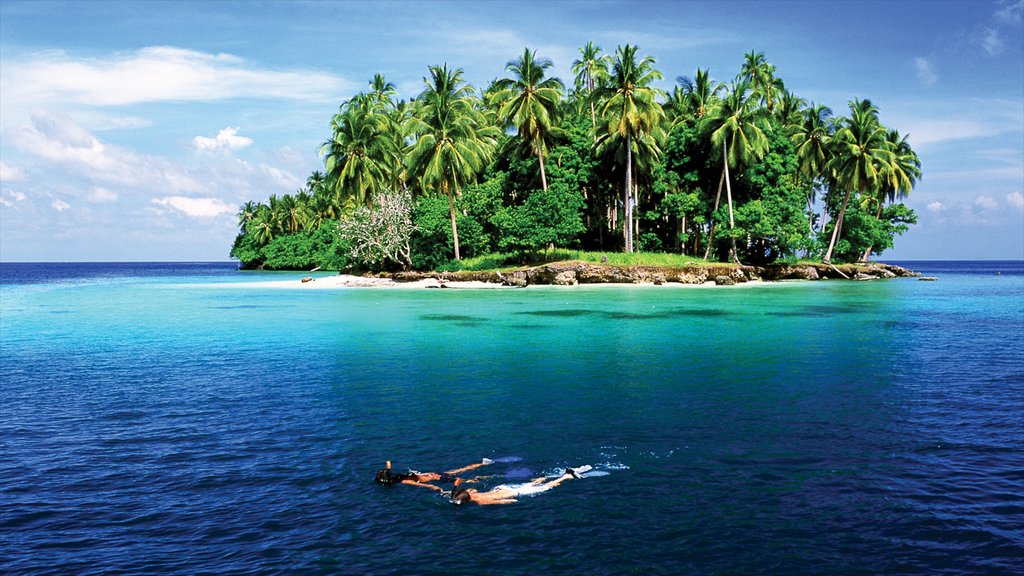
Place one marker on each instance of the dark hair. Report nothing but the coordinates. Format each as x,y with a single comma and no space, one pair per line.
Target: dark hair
460,496
384,476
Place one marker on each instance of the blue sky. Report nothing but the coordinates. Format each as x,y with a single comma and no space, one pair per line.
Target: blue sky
133,131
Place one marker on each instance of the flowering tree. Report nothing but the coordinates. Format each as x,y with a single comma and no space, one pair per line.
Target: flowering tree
380,235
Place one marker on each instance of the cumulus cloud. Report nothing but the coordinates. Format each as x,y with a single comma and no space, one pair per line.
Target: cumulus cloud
195,207
226,139
936,207
60,205
58,139
10,173
1015,199
157,74
986,203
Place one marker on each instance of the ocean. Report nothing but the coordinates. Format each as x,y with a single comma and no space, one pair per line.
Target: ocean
184,418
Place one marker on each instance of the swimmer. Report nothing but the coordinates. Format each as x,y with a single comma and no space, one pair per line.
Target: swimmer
423,479
507,493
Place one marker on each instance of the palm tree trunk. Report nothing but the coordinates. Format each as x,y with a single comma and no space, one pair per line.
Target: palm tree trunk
810,223
636,204
543,176
451,211
728,195
711,233
627,223
837,228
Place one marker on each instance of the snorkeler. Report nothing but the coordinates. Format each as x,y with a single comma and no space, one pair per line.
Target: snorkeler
414,478
507,493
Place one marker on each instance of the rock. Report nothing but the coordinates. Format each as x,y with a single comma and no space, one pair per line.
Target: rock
307,279
927,278
565,278
724,281
738,275
863,276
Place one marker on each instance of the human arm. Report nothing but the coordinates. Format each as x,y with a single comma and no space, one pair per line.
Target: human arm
423,484
483,462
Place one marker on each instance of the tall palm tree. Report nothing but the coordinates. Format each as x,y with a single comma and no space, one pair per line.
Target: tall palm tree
860,157
631,112
811,139
382,93
453,140
761,76
362,155
899,177
738,128
529,101
589,69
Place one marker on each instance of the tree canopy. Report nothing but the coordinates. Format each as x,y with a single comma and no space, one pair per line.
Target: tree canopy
612,164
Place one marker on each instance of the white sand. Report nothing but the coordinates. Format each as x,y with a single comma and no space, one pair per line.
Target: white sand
348,281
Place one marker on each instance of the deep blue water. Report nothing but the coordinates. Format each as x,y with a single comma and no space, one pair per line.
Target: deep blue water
185,419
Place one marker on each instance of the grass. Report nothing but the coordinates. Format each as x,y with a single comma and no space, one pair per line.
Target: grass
499,261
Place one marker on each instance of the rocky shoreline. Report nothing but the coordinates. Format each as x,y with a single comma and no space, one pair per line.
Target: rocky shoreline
575,273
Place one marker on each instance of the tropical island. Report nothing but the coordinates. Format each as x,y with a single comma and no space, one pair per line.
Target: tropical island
743,177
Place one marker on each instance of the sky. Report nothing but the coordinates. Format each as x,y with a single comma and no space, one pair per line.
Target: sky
134,131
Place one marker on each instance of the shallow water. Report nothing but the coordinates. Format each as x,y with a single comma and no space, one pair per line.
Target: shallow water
149,424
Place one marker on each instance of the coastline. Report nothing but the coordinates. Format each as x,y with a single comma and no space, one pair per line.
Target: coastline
580,273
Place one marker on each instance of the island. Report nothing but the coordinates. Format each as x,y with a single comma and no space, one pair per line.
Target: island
461,181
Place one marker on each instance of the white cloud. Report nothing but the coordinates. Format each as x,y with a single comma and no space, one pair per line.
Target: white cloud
157,74
195,207
10,197
60,205
925,73
1015,199
991,40
102,196
936,207
74,150
226,139
1010,13
282,178
986,203
10,173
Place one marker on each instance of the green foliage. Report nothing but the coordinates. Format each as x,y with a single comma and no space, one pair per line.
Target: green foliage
545,219
772,223
458,150
306,250
862,230
431,243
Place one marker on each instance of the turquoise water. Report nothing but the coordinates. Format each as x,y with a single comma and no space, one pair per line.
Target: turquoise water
185,419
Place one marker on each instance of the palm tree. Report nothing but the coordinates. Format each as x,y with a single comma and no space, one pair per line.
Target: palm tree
382,93
589,69
363,155
811,139
860,157
529,101
738,127
264,224
453,140
761,76
631,112
899,177
246,213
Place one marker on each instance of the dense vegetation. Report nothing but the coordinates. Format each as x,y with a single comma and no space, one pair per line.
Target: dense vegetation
611,164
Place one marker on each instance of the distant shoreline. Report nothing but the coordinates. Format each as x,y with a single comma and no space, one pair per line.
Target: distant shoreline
580,273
